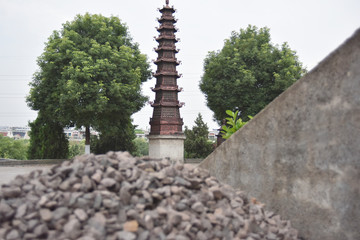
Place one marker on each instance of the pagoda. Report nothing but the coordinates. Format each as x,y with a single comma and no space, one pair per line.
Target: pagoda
166,139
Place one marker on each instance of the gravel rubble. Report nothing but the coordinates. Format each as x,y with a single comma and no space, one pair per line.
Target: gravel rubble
117,197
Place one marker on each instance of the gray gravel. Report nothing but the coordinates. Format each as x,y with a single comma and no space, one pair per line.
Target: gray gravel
116,196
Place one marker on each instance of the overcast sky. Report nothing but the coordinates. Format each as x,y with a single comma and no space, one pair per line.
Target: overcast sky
313,28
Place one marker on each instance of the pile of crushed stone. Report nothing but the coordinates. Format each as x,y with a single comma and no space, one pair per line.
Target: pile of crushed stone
116,196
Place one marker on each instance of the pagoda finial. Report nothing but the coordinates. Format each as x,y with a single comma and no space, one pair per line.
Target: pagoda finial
167,2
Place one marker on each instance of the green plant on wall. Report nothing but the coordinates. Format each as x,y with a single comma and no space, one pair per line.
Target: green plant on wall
233,123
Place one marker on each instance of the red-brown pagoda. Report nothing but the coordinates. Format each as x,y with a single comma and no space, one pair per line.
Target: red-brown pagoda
166,122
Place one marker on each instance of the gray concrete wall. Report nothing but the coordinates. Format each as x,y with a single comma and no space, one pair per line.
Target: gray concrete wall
301,154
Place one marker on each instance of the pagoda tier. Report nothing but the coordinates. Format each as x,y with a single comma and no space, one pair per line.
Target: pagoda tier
166,114
166,48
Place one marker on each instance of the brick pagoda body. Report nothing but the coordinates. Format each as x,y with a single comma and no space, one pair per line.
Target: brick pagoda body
166,139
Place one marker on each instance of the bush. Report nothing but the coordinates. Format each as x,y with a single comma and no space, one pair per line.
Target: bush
142,147
47,139
13,149
76,148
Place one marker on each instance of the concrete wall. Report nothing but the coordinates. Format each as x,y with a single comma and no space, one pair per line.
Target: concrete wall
301,155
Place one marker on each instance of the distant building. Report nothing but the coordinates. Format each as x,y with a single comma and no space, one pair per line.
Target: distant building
15,132
4,134
78,134
18,134
212,134
141,133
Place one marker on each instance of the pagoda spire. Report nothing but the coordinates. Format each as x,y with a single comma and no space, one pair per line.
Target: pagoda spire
166,115
166,138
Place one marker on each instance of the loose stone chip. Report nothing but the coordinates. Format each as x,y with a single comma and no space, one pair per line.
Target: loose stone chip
116,196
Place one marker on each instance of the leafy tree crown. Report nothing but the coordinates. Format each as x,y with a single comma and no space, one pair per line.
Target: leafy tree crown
196,143
90,70
90,74
248,72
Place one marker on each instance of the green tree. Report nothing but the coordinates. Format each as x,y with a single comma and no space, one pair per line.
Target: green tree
47,140
13,149
197,144
248,73
141,146
90,73
117,136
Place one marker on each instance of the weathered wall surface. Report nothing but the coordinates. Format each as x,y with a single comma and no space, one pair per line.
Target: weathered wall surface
167,146
301,154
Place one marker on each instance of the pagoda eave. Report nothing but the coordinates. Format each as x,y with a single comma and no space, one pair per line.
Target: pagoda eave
172,9
167,28
168,60
168,121
166,49
158,39
168,104
166,88
164,19
167,74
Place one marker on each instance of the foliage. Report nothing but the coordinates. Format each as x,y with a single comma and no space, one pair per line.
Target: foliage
196,143
47,140
114,137
233,123
248,73
13,149
76,148
90,72
141,146
139,131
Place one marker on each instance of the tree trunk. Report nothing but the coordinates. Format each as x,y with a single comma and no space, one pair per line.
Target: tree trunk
87,140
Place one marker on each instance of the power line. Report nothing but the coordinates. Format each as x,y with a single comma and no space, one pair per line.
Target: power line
4,56
14,97
15,74
16,80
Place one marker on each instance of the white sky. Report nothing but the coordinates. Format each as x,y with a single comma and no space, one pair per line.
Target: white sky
313,28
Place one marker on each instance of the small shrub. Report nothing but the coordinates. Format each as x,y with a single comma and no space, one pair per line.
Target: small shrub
232,124
141,146
13,149
76,148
